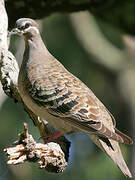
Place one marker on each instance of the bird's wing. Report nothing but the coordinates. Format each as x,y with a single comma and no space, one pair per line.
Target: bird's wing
64,95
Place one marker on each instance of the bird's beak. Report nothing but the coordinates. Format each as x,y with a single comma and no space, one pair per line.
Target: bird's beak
15,31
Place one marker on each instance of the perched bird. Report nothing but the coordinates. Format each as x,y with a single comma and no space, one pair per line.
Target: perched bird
56,95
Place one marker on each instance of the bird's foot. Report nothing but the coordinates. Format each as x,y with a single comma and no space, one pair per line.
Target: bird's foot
52,137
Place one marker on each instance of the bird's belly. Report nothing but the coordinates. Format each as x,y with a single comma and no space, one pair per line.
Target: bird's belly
40,111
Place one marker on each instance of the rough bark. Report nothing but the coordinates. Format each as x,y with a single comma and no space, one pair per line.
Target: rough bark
9,71
49,156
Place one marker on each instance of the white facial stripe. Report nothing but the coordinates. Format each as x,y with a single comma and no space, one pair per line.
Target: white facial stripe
34,28
26,23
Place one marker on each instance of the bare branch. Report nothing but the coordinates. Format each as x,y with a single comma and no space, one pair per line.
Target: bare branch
48,156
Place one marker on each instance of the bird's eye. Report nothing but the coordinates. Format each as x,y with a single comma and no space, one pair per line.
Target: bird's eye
27,25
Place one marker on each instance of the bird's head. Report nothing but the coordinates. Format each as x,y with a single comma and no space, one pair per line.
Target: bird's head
25,27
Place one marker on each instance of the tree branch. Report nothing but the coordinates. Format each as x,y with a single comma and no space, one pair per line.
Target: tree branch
49,156
42,8
102,9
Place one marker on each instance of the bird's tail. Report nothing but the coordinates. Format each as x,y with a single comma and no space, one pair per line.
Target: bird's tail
111,147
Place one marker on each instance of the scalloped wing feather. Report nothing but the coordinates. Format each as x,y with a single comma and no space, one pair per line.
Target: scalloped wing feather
64,95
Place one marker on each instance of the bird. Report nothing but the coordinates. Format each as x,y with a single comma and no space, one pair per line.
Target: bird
59,97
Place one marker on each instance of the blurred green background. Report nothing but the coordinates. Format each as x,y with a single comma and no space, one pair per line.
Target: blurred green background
105,67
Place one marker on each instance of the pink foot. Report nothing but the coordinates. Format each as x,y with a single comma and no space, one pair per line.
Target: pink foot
52,137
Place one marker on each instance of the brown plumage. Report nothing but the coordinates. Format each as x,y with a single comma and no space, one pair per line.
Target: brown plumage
56,95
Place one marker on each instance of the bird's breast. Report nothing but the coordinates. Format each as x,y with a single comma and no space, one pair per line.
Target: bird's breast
23,84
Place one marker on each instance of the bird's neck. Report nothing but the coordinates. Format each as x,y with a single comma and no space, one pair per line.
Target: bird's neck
35,44
34,55
35,51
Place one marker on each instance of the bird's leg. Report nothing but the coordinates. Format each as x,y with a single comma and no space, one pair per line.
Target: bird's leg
52,137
